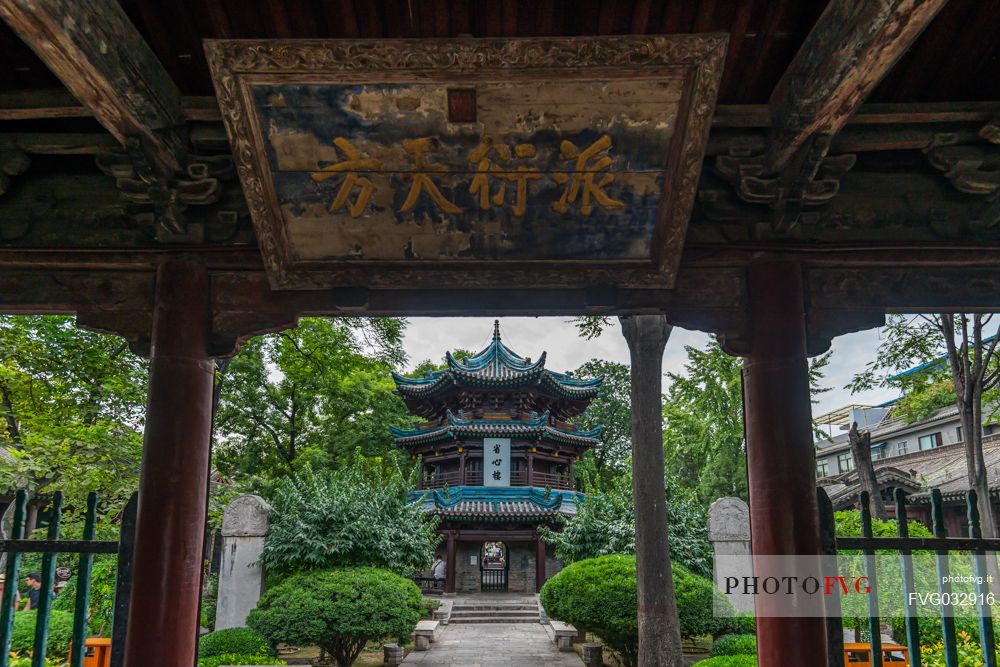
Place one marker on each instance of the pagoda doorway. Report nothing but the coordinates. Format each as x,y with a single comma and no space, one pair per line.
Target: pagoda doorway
494,565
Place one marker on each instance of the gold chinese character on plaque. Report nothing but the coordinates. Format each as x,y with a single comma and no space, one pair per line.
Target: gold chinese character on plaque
583,181
352,163
487,167
421,179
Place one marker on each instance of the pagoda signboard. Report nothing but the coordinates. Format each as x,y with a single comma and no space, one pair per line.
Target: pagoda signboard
496,457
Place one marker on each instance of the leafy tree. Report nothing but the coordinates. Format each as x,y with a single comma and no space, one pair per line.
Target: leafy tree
356,515
339,610
612,410
604,524
703,438
427,366
72,403
315,394
956,347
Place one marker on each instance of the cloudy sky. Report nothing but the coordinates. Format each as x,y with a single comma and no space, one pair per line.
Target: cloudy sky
430,337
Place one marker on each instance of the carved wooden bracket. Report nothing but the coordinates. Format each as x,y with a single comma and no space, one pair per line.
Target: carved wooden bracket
157,198
811,178
972,168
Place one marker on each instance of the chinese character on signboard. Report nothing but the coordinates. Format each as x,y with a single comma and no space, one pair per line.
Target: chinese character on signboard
497,465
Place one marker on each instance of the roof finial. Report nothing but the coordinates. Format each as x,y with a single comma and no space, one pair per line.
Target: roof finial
496,329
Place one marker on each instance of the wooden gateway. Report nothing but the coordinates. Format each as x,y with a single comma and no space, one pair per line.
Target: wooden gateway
188,174
497,452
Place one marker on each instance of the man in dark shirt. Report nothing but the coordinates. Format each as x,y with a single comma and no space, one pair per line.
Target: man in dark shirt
34,581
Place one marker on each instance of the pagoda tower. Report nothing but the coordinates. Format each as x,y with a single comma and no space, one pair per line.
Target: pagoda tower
497,451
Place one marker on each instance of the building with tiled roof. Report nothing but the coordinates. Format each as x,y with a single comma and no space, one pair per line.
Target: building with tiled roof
496,451
916,457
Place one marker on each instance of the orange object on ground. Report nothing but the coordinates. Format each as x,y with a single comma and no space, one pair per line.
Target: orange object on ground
97,652
860,655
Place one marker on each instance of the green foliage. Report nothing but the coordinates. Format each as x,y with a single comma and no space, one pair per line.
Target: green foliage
605,524
339,610
357,515
24,660
703,415
317,393
599,595
239,659
848,524
735,645
102,596
970,653
209,602
72,403
729,661
930,629
924,400
233,640
613,411
60,632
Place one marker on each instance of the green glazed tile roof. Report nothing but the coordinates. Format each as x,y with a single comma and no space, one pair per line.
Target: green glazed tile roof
456,428
496,367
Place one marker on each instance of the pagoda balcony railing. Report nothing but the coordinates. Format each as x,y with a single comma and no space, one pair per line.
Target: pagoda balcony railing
442,479
517,478
552,480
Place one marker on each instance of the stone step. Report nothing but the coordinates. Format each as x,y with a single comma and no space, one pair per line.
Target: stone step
495,619
498,614
520,607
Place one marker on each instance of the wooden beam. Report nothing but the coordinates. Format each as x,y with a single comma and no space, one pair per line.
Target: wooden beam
852,46
102,59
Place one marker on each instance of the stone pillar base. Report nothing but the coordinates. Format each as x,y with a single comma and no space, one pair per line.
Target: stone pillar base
422,643
593,654
392,655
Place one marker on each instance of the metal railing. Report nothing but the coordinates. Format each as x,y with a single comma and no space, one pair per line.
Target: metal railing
50,548
942,547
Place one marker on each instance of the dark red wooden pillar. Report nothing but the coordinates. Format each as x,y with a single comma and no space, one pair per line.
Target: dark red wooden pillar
449,575
170,524
781,463
539,562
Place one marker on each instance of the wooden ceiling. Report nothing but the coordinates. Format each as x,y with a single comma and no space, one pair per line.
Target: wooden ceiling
954,60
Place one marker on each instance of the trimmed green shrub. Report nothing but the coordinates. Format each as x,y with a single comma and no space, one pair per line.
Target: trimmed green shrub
697,600
729,661
740,624
599,595
60,632
339,610
239,659
735,645
246,641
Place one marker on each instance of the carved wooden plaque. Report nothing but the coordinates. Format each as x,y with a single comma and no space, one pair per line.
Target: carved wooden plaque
469,163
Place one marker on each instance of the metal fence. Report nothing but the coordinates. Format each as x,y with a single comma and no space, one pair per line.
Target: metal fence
942,547
50,548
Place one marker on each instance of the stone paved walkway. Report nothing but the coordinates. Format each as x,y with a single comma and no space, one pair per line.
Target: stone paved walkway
493,645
